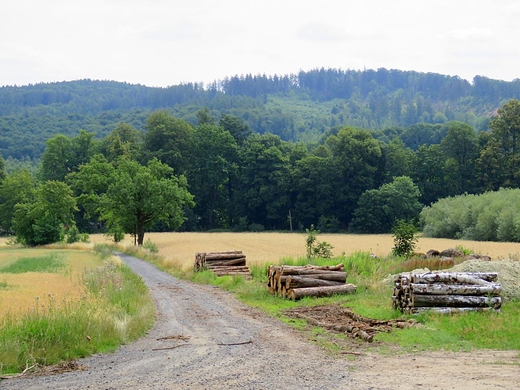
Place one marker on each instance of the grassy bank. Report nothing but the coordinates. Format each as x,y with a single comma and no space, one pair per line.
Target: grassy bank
114,307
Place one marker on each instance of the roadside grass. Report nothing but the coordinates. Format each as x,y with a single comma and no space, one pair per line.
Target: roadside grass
115,308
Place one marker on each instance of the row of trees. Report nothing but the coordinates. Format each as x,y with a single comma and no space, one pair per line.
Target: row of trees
221,175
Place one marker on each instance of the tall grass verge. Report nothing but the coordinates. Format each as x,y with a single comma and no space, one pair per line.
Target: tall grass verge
115,309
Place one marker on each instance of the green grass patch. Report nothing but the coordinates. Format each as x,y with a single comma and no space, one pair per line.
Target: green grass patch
51,263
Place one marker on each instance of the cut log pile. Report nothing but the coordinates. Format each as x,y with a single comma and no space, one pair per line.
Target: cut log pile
223,263
296,282
447,292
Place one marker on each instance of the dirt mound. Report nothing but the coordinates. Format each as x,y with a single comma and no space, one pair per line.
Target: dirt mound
508,274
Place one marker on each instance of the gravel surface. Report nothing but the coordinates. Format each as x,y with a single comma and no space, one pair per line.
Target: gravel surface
203,339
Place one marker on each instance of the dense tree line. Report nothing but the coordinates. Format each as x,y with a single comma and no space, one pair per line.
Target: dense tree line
297,107
218,174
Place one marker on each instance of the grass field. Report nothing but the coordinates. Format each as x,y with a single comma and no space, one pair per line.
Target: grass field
264,248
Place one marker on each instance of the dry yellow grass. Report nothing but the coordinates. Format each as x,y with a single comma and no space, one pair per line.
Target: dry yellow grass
262,248
22,292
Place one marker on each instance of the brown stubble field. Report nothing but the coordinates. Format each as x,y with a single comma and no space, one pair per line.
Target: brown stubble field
268,248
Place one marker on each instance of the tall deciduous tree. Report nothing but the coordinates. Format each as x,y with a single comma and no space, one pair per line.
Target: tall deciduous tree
503,147
169,140
265,180
461,148
44,219
356,157
124,140
378,210
215,163
139,196
17,187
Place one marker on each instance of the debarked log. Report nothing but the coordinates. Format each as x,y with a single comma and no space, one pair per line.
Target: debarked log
223,255
455,301
299,293
479,278
456,289
450,310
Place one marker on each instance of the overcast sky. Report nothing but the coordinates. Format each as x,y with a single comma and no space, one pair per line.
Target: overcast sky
166,42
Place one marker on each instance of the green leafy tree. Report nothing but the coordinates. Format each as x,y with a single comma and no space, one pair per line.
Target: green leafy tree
265,180
204,117
139,196
89,184
399,160
501,157
124,140
429,173
45,220
64,155
379,210
236,127
3,172
313,187
56,158
356,157
169,140
17,187
211,171
461,146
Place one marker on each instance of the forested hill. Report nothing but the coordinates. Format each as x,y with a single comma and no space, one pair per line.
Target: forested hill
297,107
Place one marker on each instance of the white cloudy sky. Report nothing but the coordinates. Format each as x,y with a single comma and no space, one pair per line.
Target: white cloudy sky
166,42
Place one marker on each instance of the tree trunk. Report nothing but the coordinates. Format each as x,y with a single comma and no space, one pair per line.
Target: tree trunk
298,293
140,234
455,289
479,278
455,301
299,282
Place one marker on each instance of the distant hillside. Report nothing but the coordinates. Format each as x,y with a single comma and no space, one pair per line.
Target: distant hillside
297,107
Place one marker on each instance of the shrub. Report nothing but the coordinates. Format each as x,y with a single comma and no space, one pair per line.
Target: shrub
316,248
152,247
404,238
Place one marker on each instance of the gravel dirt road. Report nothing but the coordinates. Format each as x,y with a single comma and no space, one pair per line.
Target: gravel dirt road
205,339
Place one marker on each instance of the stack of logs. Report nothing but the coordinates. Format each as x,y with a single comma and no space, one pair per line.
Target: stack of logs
296,282
223,263
447,292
